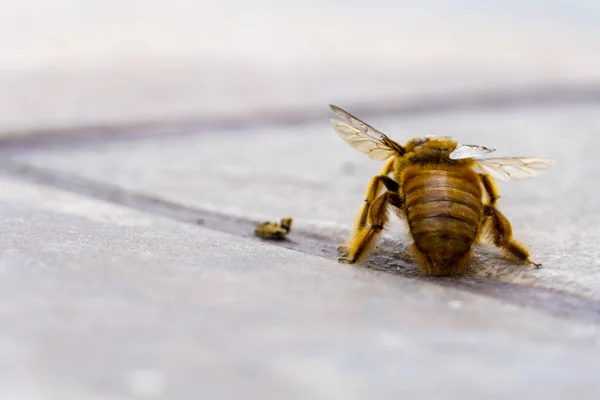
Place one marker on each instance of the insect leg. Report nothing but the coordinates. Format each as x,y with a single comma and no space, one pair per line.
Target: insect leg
374,187
377,217
371,193
490,188
501,231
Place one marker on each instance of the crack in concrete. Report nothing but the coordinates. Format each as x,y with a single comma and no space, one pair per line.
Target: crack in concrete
549,301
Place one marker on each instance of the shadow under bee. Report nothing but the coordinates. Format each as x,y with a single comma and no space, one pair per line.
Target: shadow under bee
396,258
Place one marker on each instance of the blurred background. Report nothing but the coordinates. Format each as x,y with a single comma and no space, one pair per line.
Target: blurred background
73,62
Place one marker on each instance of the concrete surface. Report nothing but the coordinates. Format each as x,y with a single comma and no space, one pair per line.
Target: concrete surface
140,301
106,302
308,172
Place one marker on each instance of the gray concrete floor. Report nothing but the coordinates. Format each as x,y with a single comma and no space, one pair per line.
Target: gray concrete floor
134,165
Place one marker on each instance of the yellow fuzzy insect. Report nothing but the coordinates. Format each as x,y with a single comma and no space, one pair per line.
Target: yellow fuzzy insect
444,190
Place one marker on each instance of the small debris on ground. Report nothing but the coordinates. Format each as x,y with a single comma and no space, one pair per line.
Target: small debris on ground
273,230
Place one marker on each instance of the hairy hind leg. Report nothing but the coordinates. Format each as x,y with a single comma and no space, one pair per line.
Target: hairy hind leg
371,194
363,240
498,227
490,188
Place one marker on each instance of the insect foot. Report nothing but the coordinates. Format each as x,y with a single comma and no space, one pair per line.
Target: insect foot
343,250
537,266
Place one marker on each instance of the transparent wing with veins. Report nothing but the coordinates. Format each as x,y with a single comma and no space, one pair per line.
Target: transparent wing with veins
469,151
504,169
363,137
513,168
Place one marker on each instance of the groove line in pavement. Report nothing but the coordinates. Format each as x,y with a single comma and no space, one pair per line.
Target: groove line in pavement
549,301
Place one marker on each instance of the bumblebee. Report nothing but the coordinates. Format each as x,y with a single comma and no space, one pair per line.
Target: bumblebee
274,231
444,190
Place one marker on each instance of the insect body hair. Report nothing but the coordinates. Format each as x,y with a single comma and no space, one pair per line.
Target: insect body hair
443,209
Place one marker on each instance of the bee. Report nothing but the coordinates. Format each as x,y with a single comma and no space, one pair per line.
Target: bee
444,190
274,231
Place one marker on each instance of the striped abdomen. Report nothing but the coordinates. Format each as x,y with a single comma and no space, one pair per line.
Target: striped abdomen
443,209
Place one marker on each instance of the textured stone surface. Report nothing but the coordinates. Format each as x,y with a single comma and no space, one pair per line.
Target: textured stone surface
310,173
62,66
103,302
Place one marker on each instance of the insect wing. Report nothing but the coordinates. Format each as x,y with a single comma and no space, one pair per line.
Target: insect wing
364,137
469,151
514,168
357,123
375,149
